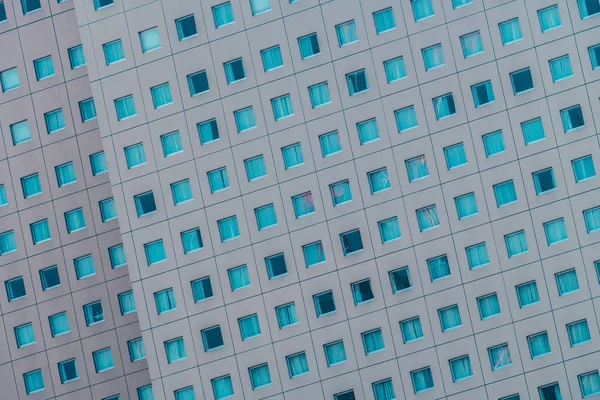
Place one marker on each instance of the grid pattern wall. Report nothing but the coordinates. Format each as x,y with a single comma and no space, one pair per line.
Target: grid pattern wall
62,303
356,199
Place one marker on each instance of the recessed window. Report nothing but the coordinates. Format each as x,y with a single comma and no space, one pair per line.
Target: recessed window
202,289
422,380
161,95
449,318
579,333
544,181
588,8
439,268
340,192
31,185
335,353
75,220
98,163
245,119
185,393
422,9
560,68
9,79
34,381
165,301
488,306
351,242
406,119
583,168
135,155
297,364
175,350
50,278
40,231
286,315
144,203
93,313
362,291
239,277
126,302
592,219
223,15
249,326
98,4
212,338
368,131
150,40
155,252
589,383
389,230
411,329
260,6
198,83
384,20
539,344
395,69
103,360
461,368
24,335
444,106
84,266
428,218
455,156
460,3
550,392
271,58
265,216
191,241
186,27
527,294
379,180
43,68
234,71
556,231
276,266
466,206
117,257
549,18
303,204
499,356
493,144
67,370
20,132
282,107
416,168
330,143
3,18
313,254
255,168
433,56
218,179
113,52
566,282
533,131
346,33
171,144
228,228
516,243
182,192
76,57
259,376
483,94
357,82
125,107
477,255
594,57
324,303
3,198
400,279
521,80
319,95
471,44
309,46
59,324
572,118
222,387
373,341
208,131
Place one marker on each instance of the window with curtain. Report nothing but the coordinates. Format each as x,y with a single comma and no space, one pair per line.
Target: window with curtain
165,301
330,143
439,267
583,168
566,282
222,387
171,144
471,44
292,155
234,71
493,143
400,279
477,255
9,79
31,185
136,348
368,131
202,289
3,198
450,318
249,326
245,119
527,294
395,69
592,219
572,118
34,381
212,338
260,6
125,107
144,203
155,252
255,168
8,243
549,18
135,155
191,240
186,27
150,39
516,243
384,20
103,360
271,58
560,68
579,332
74,220
161,95
98,163
593,50
550,392
98,4
303,204
93,313
59,324
466,206
521,80
351,242
49,278
239,277
335,353
297,364
282,107
357,82
175,350
373,341
286,315
460,368
483,93
87,109
433,57
455,156
208,131
259,376
488,306
346,33
67,371
186,393
411,329
556,231
265,216
378,180
324,303
422,379
182,192
223,14
228,228
362,291
499,356
544,181
126,302
76,57
113,52
588,8
389,230
460,3
422,9
406,119
416,168
40,231
505,193
15,288
44,68
309,46
24,335
589,383
313,254
428,218
218,179
276,265
444,106
55,121
198,83
539,344
20,132
319,94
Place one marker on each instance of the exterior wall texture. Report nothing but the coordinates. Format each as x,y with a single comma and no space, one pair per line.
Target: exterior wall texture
411,181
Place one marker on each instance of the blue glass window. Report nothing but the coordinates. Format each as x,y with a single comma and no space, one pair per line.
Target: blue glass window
76,57
406,118
182,192
228,228
422,380
319,95
592,219
450,318
175,350
282,107
191,240
186,27
500,357
346,33
49,278
416,168
98,163
171,144
161,95
493,143
324,303
238,277
389,230
488,306
218,179
150,40
439,268
357,82
516,243
31,185
255,168
335,353
471,44
208,131
135,155
400,279
20,132
223,14
560,68
43,66
566,282
222,387
466,206
303,204
67,371
362,291
309,46
330,143
395,69
433,57
411,329
286,315
34,381
483,93
87,109
202,289
521,80
549,18
276,266
477,255
368,131
249,326
84,266
113,52
297,364
373,341
527,294
539,344
165,301
9,79
428,217
155,252
378,180
455,155
125,107
145,203
579,333
444,106
198,83
260,6
271,58
245,119
40,231
212,338
533,130
384,20
234,71
351,242
422,9
544,181
340,192
259,376
572,118
556,231
313,254
583,168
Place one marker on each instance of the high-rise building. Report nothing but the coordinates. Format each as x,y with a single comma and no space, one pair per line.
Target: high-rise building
299,199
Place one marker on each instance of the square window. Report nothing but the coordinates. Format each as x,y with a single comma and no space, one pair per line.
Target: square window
113,52
379,180
175,349
212,338
282,107
98,163
87,109
303,205
185,393
346,33
84,266
433,56
24,335
362,291
34,381
286,315
50,278
384,20
182,192
31,185
450,318
556,231
135,155
255,168
245,119
43,67
592,219
389,230
40,231
59,324
186,27
292,155
98,4
234,71
466,206
76,56
228,228
271,58
406,119
9,79
191,240
222,387
493,143
422,380
357,82
249,326
583,168
444,106
566,282
572,118
265,217
223,14
499,356
313,254
488,306
161,95
533,131
560,68
93,313
471,44
549,18
165,301
125,108
239,277
460,3
335,353
395,69
483,94
297,364
539,344
150,40
351,242
309,46
20,132
144,203
324,303
259,376
416,168
103,360
428,218
516,243
461,368
3,199
527,294
373,341
276,266
411,329
341,193
171,144
208,131
594,57
155,252
260,6
550,392
579,333
439,268
477,255
202,289
455,156
422,9
544,181
587,8
68,371
74,220
589,383
218,180
198,83
522,81
116,254
400,279
368,131
319,95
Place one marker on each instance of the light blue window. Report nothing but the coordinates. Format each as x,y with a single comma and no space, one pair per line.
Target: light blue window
117,256
43,68
373,341
471,44
20,132
171,144
15,289
98,163
477,255
125,107
416,168
186,27
31,185
362,291
313,254
93,312
561,68
309,46
539,344
59,324
566,282
500,357
411,329
186,393
9,79
292,155
335,353
165,301
324,303
406,118
549,18
439,268
191,240
400,280
234,71
594,57
161,95
527,294
175,350
389,230
24,335
155,252
330,143
271,58
433,57
589,383
286,315
368,131
255,168
583,168
460,3
103,360
260,6
198,83
384,20
223,14
428,218
483,93
249,326
218,179
76,57
319,95
303,204
40,231
265,216
3,198
587,8
282,107
212,338
341,193
579,333
346,33
460,368
245,119
572,118
455,156
450,318
488,306
378,180
422,380
34,381
222,387
87,109
422,9
297,364
84,266
135,155
592,219
67,371
521,80
228,228
208,131
150,40
182,192
74,220
466,206
276,265
550,392
351,242
49,278
259,376
493,143
395,69
113,52
533,131
444,106
544,181
202,289
516,243
357,82
144,203
239,277
556,231
98,4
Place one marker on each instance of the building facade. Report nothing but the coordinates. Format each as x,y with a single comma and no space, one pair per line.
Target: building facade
291,199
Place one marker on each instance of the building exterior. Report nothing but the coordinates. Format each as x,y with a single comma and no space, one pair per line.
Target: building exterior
307,199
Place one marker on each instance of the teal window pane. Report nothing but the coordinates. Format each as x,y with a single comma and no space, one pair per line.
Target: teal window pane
260,6
155,252
265,217
521,80
98,4
550,392
182,192
271,58
455,156
461,368
59,324
9,79
444,106
406,118
223,14
24,335
309,46
76,56
422,380
171,144
40,231
255,168
417,168
218,180
198,83
93,312
368,131
20,132
592,219
103,360
516,243
572,118
357,82
428,218
544,181
389,230
439,268
539,344
422,9
65,174
579,333
460,3
34,381
135,155
249,327
319,95
165,301
346,33
49,278
245,119
297,364
362,291
212,338
489,306
351,242
234,71
228,228
303,204
3,198
379,180
75,220
466,206
483,94
373,341
161,95
533,130
583,168
144,203
527,294
411,330
471,44
588,8
589,383
222,387
238,277
335,353
499,357
15,289
67,371
31,185
276,266
400,279
98,163
125,107
87,109
450,318
175,350
186,393
186,27
150,40
341,193
384,20
566,282
113,52
191,240
259,376
493,143
330,143
549,18
292,155
594,57
117,256
433,57
282,107
208,131
44,68
395,69
2,12
556,231
286,315
202,289
324,303
313,254
84,267
560,68
477,255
